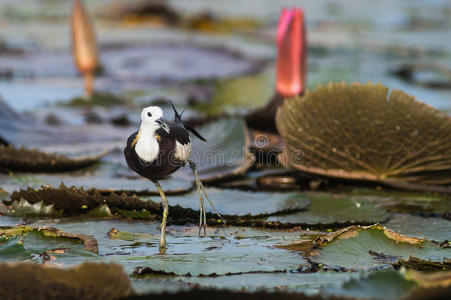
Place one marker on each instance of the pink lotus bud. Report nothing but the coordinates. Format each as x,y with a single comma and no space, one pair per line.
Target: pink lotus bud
291,53
84,44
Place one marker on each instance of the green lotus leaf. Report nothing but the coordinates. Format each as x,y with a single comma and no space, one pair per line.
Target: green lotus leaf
386,284
46,245
328,210
373,247
243,203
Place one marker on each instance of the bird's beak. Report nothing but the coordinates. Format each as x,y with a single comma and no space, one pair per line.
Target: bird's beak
163,124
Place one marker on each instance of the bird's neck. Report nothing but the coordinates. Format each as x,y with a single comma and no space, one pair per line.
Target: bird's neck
147,146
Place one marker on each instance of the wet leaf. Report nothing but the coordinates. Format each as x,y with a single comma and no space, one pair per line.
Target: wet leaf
130,236
241,203
387,284
23,208
407,202
433,229
422,265
106,177
86,281
148,12
292,282
372,247
139,64
328,210
22,130
356,132
231,250
24,160
88,242
225,155
73,201
211,23
46,245
238,94
427,75
428,279
98,99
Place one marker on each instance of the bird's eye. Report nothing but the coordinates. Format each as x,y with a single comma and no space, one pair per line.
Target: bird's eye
149,114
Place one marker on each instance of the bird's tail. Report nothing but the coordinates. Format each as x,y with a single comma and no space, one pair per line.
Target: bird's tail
178,119
177,116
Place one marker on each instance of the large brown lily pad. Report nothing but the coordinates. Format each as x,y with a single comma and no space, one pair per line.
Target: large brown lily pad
87,281
25,160
76,201
359,132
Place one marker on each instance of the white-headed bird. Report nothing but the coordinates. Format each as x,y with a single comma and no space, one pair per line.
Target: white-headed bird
157,150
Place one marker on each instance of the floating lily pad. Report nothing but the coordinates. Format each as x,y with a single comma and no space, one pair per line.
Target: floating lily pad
145,63
100,99
72,201
154,12
238,94
356,132
292,282
230,250
372,247
424,265
387,284
328,210
46,245
86,281
241,203
407,202
427,75
63,201
88,242
66,139
107,177
24,160
226,153
429,279
433,229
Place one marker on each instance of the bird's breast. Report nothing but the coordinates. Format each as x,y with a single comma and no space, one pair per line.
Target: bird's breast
147,146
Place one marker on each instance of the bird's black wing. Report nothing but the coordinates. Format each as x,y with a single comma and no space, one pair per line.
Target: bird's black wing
179,134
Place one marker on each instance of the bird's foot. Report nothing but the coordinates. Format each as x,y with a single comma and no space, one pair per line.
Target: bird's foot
202,212
163,247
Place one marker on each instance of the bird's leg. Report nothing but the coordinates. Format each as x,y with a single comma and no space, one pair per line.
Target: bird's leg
201,191
163,245
202,214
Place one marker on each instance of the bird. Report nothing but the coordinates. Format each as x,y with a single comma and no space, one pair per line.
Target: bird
158,149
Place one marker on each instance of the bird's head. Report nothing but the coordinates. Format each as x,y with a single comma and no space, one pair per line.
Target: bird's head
152,118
